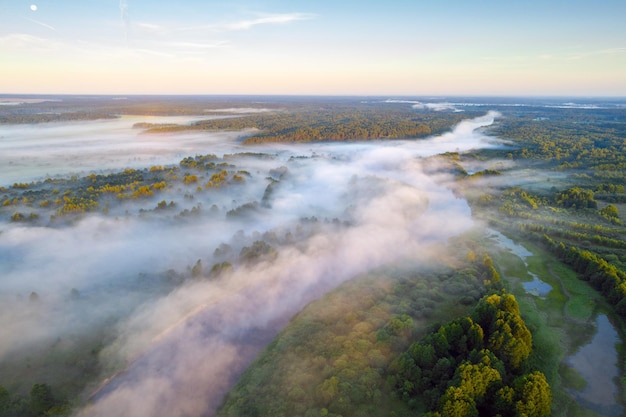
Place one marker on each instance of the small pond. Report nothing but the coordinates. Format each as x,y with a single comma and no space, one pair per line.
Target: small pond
536,287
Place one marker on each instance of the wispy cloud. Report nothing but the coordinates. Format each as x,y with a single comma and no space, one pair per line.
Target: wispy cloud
40,23
150,27
26,42
192,40
234,26
266,20
145,39
247,24
21,43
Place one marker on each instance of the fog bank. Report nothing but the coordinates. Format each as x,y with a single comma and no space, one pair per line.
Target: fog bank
335,210
185,350
36,152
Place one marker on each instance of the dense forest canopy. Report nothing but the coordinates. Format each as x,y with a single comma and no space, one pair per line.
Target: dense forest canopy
331,123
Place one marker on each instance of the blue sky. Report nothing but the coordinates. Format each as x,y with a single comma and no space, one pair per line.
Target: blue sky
567,48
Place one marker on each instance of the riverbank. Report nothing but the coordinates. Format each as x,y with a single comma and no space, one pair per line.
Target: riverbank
569,318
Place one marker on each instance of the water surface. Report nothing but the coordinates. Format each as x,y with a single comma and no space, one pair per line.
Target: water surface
597,363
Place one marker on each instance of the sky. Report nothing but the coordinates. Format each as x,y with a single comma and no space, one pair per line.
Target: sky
319,47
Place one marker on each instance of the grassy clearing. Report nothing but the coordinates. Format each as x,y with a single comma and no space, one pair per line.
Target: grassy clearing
580,307
576,298
583,299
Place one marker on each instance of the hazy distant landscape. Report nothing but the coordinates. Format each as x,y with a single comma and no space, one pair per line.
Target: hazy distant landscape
205,255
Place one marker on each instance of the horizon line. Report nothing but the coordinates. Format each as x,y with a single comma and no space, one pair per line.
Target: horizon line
293,95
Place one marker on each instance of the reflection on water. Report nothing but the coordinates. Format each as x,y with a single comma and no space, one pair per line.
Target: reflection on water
597,363
535,287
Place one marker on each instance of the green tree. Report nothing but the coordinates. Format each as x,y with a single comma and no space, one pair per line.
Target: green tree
457,403
610,211
576,198
510,339
503,402
534,398
475,379
5,400
41,399
196,271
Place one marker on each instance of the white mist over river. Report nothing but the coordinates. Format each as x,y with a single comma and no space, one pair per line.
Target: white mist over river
184,348
36,152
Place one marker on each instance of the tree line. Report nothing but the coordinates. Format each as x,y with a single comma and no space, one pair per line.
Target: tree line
335,124
40,402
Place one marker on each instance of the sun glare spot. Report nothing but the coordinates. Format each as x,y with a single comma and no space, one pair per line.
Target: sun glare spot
33,7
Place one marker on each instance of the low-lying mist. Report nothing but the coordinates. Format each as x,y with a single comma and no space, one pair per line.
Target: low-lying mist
307,218
35,152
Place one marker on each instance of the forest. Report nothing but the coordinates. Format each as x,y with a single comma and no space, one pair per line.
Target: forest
385,320
330,123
